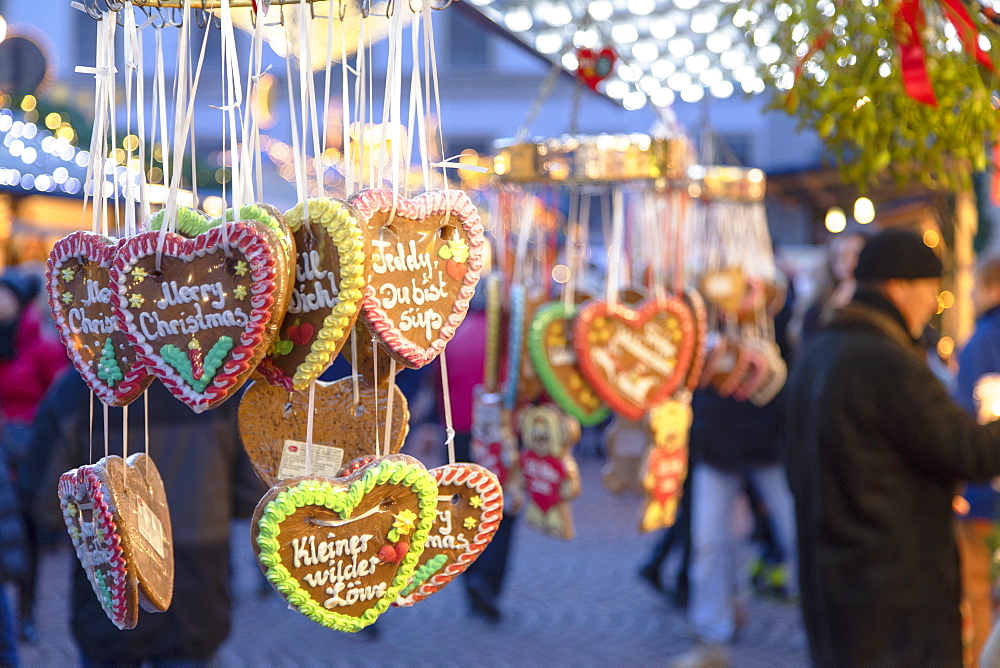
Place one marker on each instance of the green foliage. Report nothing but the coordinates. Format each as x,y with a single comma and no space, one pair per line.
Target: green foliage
849,88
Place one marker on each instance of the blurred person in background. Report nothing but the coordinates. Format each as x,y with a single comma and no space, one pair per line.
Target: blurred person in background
875,451
30,357
833,287
978,503
208,481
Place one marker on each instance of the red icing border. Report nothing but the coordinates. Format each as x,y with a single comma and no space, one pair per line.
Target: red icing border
261,258
696,303
69,484
369,202
102,250
585,318
483,481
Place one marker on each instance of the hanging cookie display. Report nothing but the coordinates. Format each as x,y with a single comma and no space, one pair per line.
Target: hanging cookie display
426,258
273,424
199,311
635,358
117,517
551,477
341,550
469,510
78,285
550,345
625,444
326,294
493,444
666,464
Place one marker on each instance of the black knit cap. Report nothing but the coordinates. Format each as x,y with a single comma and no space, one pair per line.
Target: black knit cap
897,253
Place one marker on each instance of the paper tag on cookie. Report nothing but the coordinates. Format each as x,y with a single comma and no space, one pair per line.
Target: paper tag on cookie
150,527
324,461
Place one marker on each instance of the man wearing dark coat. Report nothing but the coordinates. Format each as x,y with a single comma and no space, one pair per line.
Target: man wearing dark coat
875,451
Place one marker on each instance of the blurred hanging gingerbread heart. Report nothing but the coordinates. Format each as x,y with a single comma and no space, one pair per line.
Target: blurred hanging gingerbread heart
595,67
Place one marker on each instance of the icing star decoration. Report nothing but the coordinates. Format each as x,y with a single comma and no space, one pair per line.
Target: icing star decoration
404,522
241,268
67,298
240,292
139,274
68,274
469,523
476,501
136,300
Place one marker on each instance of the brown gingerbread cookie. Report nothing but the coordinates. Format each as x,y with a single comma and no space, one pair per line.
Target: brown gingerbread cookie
273,422
551,477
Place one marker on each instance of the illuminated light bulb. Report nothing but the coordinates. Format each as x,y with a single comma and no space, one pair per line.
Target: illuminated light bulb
601,10
704,23
836,220
634,100
662,98
662,29
692,93
932,238
646,51
722,90
624,33
864,210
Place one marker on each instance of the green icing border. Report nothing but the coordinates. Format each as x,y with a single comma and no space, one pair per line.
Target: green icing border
190,223
316,492
250,212
536,350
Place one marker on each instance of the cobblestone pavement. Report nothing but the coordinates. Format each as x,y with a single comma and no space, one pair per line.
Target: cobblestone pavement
573,603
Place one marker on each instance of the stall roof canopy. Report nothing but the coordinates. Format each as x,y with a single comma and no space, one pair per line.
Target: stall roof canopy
664,49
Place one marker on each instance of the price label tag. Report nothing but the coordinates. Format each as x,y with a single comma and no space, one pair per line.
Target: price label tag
150,527
325,460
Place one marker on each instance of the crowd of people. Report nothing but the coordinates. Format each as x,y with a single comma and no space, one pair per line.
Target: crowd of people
868,481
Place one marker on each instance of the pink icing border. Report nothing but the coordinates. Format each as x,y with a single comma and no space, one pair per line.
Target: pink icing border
369,202
75,486
102,250
254,245
486,484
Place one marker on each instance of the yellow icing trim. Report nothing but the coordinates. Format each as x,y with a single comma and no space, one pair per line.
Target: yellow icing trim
345,232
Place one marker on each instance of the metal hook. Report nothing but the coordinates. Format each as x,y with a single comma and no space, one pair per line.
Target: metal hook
366,8
342,10
389,8
93,11
446,5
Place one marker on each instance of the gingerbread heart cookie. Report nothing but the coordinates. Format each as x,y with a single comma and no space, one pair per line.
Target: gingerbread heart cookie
554,358
78,285
427,253
272,424
551,477
200,311
326,294
118,520
469,510
341,550
635,358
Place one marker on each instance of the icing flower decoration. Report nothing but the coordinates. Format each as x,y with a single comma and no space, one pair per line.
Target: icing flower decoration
469,523
459,250
136,300
476,501
241,269
403,524
68,274
240,292
139,274
67,298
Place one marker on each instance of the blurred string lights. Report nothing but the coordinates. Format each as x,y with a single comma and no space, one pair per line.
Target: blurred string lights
668,49
40,157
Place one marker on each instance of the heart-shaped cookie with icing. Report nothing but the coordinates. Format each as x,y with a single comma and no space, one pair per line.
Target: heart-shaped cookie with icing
341,550
200,311
427,253
635,358
118,520
550,346
78,285
326,293
273,421
469,510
